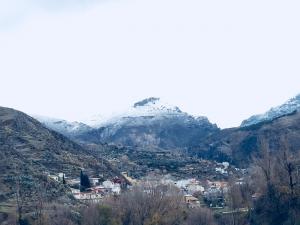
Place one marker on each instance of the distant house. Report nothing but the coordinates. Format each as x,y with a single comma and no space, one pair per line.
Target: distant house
221,170
95,181
194,188
218,184
61,176
54,177
75,191
189,186
191,201
100,190
88,196
58,177
115,187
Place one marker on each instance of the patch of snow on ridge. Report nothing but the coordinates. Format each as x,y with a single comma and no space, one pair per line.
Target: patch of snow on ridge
288,107
61,125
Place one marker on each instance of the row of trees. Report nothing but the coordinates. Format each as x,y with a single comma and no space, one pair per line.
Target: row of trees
271,193
147,205
144,205
276,175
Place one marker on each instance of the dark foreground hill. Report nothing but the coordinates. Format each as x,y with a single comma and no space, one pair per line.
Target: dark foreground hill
29,151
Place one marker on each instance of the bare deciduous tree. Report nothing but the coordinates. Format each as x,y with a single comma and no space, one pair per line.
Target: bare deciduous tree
201,216
149,205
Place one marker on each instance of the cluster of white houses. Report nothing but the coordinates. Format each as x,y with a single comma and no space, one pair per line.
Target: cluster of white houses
93,194
213,191
97,191
193,189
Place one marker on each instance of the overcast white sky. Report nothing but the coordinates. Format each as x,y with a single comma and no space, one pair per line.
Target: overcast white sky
226,60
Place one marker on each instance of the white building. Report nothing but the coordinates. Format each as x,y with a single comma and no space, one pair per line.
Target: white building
61,176
115,188
54,177
88,196
191,201
193,188
190,186
95,181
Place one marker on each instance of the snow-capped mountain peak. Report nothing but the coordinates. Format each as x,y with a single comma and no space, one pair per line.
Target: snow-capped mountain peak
288,107
156,104
152,105
151,122
148,107
147,101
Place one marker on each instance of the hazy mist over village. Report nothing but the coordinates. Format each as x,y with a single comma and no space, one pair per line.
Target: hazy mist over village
138,112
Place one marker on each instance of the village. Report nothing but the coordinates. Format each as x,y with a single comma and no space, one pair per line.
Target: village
196,193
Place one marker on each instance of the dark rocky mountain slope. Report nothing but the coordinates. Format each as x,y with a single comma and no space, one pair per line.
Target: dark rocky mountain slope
240,144
151,123
29,150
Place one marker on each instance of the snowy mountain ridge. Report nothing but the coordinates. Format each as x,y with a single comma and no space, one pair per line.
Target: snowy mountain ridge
62,126
150,107
288,107
151,122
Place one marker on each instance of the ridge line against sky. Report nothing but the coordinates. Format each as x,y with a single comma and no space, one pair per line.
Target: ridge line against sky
224,60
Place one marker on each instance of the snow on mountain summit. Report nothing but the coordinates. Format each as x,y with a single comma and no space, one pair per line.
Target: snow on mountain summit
145,108
288,107
153,106
62,126
151,122
156,104
146,101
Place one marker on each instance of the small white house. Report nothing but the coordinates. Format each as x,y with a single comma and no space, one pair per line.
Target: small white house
191,201
115,188
193,188
221,170
95,181
88,196
54,177
61,175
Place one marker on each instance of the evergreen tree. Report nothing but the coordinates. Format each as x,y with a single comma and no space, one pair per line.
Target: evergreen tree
64,181
84,181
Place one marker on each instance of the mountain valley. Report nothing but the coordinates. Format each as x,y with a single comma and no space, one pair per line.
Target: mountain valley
152,140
